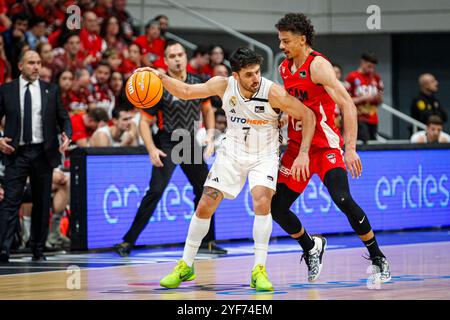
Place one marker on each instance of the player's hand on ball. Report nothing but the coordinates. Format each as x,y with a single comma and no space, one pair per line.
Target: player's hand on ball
149,69
300,167
353,163
155,157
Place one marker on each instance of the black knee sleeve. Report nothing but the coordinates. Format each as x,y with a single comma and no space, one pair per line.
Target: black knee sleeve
281,213
336,182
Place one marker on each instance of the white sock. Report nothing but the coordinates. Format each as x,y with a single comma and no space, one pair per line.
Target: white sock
198,228
262,229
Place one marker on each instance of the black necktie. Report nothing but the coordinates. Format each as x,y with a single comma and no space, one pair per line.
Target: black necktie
27,127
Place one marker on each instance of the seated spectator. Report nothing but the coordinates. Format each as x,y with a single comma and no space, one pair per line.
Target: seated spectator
122,133
53,12
101,95
5,67
219,132
133,61
125,20
73,57
45,52
45,74
85,124
433,133
116,84
113,58
163,24
15,42
152,46
219,70
5,22
36,34
103,9
65,80
366,89
112,35
426,104
29,7
80,101
91,42
200,58
216,56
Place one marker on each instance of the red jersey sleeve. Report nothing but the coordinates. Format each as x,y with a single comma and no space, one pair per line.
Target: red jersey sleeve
78,128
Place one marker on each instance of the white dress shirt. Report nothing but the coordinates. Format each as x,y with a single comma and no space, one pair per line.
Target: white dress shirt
36,110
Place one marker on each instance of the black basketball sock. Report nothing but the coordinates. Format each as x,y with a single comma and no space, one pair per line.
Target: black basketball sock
374,249
305,241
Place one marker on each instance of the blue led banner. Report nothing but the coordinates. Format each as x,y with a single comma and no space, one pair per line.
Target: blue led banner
398,189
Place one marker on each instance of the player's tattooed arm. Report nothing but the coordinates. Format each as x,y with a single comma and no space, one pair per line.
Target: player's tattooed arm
211,192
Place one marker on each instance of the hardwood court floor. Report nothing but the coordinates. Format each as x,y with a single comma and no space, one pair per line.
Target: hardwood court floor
420,271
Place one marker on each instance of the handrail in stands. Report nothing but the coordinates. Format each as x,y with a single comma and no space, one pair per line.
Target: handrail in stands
237,34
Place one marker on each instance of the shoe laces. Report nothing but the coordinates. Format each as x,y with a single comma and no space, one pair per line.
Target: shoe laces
311,260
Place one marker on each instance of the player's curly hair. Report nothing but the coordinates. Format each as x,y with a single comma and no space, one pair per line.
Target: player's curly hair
297,23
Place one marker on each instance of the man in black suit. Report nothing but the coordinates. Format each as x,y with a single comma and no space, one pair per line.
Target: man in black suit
34,117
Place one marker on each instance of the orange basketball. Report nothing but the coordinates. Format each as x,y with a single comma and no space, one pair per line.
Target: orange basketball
144,89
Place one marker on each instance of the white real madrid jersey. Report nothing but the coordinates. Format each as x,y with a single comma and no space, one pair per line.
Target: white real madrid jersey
252,124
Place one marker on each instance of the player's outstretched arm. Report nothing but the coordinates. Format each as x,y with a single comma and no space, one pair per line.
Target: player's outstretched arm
322,72
213,87
280,98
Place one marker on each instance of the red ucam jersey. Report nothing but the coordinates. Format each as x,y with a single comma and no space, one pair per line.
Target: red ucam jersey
314,96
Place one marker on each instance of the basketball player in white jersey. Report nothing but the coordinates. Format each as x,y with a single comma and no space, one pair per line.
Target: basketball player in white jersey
250,149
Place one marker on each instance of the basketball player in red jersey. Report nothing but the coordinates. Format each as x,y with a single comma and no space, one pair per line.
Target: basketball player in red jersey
310,77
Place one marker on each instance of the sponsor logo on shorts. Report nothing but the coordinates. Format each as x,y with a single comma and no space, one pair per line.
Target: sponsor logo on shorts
259,109
331,157
270,178
285,171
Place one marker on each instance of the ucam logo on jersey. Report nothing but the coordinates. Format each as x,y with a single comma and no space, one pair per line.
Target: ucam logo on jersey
302,74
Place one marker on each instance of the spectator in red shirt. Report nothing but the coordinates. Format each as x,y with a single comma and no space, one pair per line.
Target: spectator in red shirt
103,9
65,81
125,19
366,89
72,57
52,13
112,35
200,58
5,22
133,61
5,68
91,41
216,56
101,95
152,46
85,124
79,101
29,7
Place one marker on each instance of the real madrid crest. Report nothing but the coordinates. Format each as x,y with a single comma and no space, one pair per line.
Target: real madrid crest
233,101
